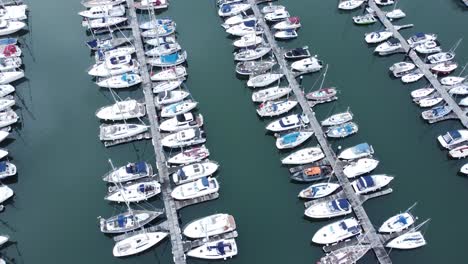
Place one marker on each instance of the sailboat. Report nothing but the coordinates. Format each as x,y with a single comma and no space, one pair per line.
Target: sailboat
219,249
122,110
410,240
399,222
344,255
130,172
134,191
120,131
212,225
137,243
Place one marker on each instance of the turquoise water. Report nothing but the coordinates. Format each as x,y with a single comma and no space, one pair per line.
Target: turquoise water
59,192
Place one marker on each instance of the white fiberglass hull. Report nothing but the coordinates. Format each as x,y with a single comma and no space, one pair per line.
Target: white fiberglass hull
137,243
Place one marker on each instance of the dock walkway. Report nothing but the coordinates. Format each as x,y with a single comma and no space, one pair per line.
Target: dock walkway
355,201
461,115
172,223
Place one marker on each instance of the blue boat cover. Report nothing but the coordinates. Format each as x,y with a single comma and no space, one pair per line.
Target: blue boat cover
250,23
220,248
454,134
393,41
340,204
402,219
420,35
226,8
3,166
205,181
361,148
170,59
141,188
8,41
365,182
92,43
181,174
290,138
275,107
121,220
140,167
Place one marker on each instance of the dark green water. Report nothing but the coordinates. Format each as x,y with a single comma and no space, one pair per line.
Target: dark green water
59,193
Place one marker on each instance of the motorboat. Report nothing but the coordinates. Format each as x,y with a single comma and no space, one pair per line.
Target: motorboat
420,38
318,190
401,68
384,2
124,80
154,23
264,79
297,53
181,122
167,85
163,49
459,89
184,138
107,43
337,119
270,94
201,187
137,243
237,19
102,70
13,12
151,4
428,47
395,14
329,209
252,54
6,89
131,192
228,10
211,225
8,117
366,19
444,67
277,15
453,138
430,101
6,103
159,31
127,221
10,51
91,3
452,80
422,92
107,55
219,249
254,67
378,36
463,102
130,172
304,156
397,223
286,34
275,108
436,112
346,254
310,64
360,167
312,173
322,94
459,152
343,130
289,122
157,41
350,4
367,184
194,171
249,27
293,139
8,27
170,97
103,11
391,46
178,108
247,41
5,193
410,240
412,76
169,60
103,22
191,155
289,23
122,110
7,169
359,151
337,231
3,135
171,74
272,8
120,131
10,63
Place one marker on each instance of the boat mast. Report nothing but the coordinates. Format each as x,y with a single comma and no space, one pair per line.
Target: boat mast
324,76
120,189
456,45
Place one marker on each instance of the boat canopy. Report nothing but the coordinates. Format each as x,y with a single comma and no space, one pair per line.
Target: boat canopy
3,166
451,136
121,220
136,168
184,117
402,219
250,23
205,181
365,182
226,8
393,41
340,204
313,171
361,148
170,59
290,138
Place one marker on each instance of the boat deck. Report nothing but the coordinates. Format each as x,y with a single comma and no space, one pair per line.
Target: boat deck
160,227
421,65
372,237
172,222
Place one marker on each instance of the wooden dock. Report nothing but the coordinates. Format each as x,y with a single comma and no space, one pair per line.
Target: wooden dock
172,222
372,236
421,65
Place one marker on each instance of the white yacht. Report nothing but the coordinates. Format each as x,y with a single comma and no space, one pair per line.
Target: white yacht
422,92
137,243
395,14
169,85
263,80
337,119
201,187
103,11
410,240
219,249
329,209
170,97
391,46
350,4
270,8
252,54
130,172
178,108
359,167
453,138
277,15
103,22
228,10
163,49
270,94
118,67
9,27
171,74
212,225
428,47
401,68
412,76
337,231
195,171
10,76
304,156
275,108
122,110
459,152
359,151
8,117
378,36
120,81
289,122
290,23
5,193
120,131
181,122
397,223
6,89
191,155
248,40
319,190
310,64
134,191
293,139
452,80
184,138
420,38
367,184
